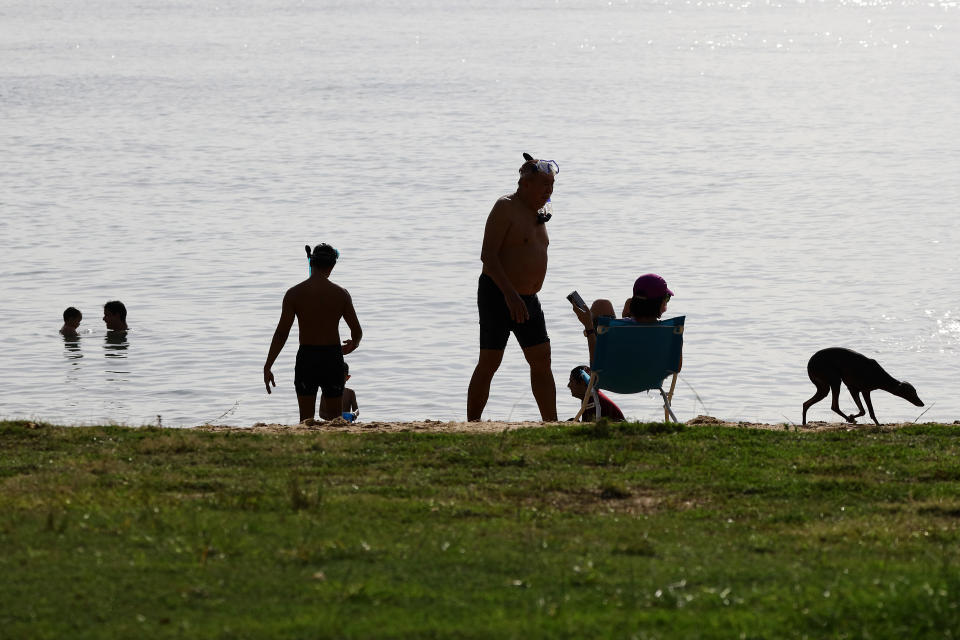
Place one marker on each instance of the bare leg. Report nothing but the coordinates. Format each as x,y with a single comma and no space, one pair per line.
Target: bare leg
602,307
330,408
308,405
541,380
479,389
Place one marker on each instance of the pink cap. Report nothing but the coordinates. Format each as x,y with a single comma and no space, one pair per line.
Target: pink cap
650,285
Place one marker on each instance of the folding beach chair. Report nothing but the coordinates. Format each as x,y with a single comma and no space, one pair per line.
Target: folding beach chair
630,357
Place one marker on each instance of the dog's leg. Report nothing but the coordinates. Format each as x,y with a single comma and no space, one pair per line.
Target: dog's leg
835,405
866,396
822,389
856,400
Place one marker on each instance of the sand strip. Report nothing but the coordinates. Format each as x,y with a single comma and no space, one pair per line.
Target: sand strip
492,426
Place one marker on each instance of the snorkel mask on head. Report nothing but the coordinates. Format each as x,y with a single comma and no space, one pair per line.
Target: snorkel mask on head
548,167
325,248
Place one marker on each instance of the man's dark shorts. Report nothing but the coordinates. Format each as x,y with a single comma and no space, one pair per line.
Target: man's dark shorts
319,366
496,323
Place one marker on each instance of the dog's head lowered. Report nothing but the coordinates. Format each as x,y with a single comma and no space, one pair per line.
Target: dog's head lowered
906,391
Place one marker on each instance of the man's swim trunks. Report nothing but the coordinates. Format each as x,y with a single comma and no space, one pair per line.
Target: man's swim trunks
319,366
496,323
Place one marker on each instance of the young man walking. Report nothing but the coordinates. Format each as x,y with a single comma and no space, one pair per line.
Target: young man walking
318,305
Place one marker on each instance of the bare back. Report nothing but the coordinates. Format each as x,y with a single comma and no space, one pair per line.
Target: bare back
319,305
519,243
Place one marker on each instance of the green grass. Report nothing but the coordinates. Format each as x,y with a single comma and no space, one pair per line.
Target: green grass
646,531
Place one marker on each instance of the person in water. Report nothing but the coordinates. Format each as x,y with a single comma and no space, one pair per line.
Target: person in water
318,306
514,256
71,322
115,316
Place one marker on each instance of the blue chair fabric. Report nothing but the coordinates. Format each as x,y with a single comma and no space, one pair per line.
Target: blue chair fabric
630,357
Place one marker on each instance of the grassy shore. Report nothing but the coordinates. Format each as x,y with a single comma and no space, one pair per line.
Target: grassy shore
646,531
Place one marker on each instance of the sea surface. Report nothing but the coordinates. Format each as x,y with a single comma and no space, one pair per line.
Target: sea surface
791,168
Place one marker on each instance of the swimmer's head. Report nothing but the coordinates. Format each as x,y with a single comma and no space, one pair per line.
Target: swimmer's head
72,315
346,371
115,315
116,308
71,321
323,256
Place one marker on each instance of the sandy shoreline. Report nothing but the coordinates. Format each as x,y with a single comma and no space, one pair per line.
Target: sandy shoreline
491,426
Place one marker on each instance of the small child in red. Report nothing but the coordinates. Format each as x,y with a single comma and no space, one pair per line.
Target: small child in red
579,377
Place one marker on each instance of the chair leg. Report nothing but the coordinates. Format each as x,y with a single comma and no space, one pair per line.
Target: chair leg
583,407
666,408
668,411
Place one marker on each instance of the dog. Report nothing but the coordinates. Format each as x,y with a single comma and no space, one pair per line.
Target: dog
829,367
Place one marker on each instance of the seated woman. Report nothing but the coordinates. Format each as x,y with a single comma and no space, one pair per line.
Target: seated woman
648,304
650,298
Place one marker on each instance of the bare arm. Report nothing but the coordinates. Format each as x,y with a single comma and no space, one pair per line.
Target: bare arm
350,317
586,319
352,403
287,315
498,224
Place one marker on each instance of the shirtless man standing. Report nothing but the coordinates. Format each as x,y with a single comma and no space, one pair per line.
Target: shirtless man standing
514,257
318,305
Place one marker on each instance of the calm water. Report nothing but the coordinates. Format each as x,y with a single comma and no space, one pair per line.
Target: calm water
789,167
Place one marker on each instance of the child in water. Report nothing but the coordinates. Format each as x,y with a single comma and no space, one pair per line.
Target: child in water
71,321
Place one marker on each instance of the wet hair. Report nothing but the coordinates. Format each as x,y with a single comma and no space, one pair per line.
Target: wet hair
575,373
346,369
641,307
324,256
116,308
71,313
